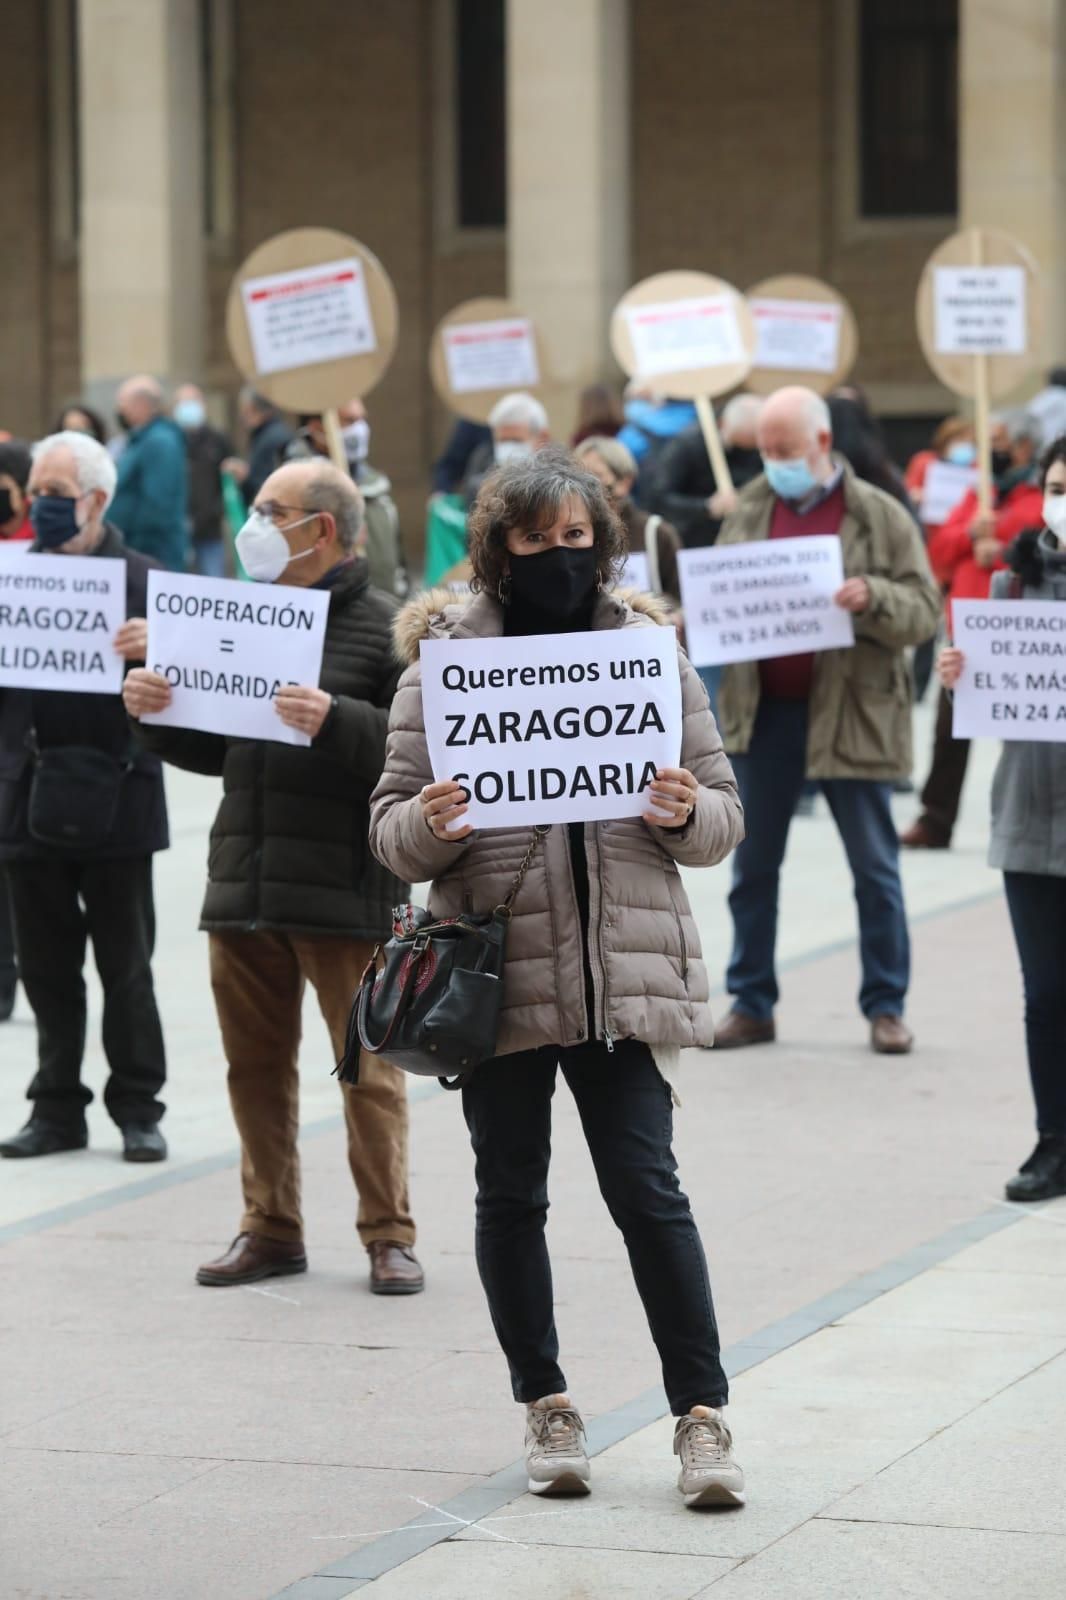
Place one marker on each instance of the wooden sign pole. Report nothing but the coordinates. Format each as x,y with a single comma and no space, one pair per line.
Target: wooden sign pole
982,405
331,424
723,478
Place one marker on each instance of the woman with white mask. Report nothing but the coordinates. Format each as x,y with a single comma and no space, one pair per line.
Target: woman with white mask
1029,845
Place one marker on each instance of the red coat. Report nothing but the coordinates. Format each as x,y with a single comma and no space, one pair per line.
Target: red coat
951,548
23,532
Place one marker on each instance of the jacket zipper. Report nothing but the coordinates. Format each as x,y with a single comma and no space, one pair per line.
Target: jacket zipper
602,921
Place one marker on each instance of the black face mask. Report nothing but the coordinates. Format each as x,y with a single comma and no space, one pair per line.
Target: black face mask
7,510
556,582
1001,462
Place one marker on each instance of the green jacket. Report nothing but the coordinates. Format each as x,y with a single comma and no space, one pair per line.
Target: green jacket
860,705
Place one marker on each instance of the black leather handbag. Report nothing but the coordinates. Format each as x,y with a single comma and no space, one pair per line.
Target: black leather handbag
74,795
433,1007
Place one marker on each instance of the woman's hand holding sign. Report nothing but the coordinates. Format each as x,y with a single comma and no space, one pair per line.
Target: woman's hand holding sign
441,804
673,794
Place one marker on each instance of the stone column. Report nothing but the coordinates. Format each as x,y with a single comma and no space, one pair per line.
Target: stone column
1012,138
141,178
568,166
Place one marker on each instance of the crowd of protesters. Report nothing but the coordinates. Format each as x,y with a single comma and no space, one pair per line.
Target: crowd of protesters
314,845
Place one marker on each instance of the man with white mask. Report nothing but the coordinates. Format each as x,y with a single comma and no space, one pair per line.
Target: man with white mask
519,426
294,895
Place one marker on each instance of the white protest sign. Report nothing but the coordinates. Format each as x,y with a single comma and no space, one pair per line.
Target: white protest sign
943,487
491,355
311,314
1013,683
226,648
678,335
635,572
58,620
556,728
797,335
979,311
750,602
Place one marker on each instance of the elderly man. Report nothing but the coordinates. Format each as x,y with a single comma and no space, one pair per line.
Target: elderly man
682,485
206,448
101,886
519,426
149,503
841,718
294,895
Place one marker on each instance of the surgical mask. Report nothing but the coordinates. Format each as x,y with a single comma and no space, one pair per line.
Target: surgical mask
558,581
264,549
356,436
790,480
1055,514
55,520
963,453
190,414
506,451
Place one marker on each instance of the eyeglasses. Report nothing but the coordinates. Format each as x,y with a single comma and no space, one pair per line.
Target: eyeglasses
275,510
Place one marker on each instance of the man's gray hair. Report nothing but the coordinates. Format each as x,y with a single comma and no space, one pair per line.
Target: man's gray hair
329,489
1021,424
250,396
818,414
616,457
92,464
519,410
741,414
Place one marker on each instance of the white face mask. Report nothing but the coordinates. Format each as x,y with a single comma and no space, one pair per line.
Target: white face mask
264,549
507,450
1055,514
356,436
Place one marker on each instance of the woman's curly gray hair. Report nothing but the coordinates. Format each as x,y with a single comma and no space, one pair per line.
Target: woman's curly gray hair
532,494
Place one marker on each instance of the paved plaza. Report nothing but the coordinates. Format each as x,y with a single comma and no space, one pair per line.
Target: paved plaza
896,1332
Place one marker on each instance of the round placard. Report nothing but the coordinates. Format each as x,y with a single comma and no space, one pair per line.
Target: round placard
354,304
833,345
989,249
684,317
488,343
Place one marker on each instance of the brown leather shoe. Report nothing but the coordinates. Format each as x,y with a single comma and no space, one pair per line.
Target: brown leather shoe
251,1257
739,1029
890,1036
920,836
394,1269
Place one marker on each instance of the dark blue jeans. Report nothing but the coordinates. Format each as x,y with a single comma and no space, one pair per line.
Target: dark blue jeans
627,1116
771,777
1037,905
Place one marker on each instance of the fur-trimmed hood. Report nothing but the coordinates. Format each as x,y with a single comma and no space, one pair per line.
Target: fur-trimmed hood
441,613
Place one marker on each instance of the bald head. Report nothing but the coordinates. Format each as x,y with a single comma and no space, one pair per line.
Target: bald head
332,506
139,400
794,425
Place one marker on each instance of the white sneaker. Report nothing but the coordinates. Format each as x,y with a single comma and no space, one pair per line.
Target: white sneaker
709,1475
556,1459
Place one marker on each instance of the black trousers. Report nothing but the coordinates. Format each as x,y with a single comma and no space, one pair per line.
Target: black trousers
1037,904
57,905
7,936
942,794
627,1116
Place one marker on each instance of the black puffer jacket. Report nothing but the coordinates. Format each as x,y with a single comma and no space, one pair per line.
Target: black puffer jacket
289,844
95,720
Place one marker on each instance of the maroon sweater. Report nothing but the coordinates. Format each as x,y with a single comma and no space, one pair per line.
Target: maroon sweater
789,677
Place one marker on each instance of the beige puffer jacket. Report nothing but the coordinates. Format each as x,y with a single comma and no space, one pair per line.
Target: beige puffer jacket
648,978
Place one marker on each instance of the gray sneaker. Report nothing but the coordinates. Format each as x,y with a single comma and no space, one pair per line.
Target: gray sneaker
556,1459
709,1475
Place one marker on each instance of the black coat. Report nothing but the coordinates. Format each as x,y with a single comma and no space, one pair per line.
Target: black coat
206,448
289,847
682,481
96,720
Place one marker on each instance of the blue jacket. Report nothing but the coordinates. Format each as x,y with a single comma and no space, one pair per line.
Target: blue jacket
149,503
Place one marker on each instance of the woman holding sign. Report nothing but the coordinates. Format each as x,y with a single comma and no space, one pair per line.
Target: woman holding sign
603,977
1029,845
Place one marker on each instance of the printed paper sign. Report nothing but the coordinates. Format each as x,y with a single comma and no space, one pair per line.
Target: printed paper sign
491,355
557,728
749,602
58,620
1013,683
313,314
635,572
226,648
980,311
944,487
684,335
797,335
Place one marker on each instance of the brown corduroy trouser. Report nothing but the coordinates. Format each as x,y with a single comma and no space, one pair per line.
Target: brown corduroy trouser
258,982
